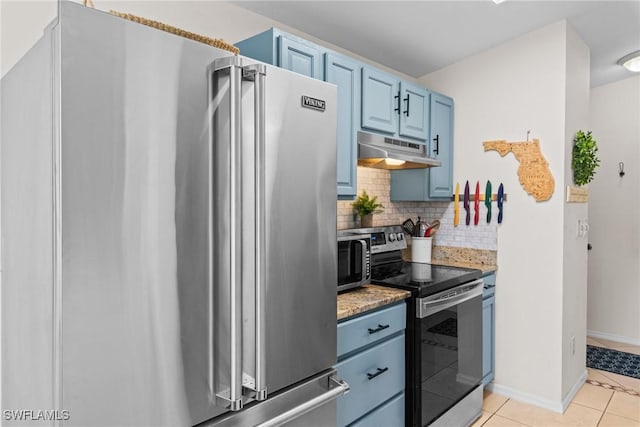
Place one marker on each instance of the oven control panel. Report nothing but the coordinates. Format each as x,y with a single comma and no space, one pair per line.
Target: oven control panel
384,239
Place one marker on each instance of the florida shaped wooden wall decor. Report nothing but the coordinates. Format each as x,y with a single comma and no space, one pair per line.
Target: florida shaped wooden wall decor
534,173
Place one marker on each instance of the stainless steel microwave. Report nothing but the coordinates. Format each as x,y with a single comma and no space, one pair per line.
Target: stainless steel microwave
354,260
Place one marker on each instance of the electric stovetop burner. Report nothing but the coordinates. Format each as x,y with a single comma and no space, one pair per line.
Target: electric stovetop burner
421,279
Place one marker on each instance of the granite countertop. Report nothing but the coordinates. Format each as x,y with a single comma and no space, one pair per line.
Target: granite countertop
486,268
367,298
481,259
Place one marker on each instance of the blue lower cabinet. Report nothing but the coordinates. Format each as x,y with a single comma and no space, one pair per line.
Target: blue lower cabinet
390,414
371,360
375,375
359,332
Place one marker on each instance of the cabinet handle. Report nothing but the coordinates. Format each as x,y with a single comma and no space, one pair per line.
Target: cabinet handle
378,329
397,109
406,113
379,371
437,141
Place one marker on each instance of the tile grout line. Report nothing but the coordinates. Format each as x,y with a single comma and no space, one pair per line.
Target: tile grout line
621,389
605,408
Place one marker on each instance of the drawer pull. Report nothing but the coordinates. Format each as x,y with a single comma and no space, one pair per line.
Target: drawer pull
378,329
379,372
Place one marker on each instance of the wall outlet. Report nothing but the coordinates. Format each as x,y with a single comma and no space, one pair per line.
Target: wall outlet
573,345
583,227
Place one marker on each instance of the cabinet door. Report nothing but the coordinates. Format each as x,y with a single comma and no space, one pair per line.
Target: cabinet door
374,375
441,147
380,101
391,414
345,74
299,57
414,111
488,345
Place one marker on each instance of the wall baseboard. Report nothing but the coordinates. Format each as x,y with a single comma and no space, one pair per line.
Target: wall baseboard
511,393
612,337
574,390
552,405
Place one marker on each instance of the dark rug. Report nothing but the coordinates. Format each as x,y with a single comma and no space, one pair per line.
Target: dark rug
448,327
618,362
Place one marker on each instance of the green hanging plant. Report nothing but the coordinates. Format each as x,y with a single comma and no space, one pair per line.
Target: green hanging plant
585,159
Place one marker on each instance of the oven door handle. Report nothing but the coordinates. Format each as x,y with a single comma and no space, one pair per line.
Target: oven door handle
445,299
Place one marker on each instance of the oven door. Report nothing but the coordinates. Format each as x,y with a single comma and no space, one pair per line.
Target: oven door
450,348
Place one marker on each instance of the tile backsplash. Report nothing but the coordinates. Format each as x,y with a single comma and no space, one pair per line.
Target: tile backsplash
377,183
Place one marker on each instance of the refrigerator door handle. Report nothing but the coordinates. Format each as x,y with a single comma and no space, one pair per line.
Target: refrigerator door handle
225,205
257,73
337,388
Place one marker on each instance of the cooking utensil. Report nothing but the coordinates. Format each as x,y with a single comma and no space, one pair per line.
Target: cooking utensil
466,202
409,227
456,206
476,204
500,201
421,228
487,200
435,226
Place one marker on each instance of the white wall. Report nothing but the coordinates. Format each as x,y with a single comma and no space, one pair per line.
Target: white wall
614,214
21,25
500,94
574,279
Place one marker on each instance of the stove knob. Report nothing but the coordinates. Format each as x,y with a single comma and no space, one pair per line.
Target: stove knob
400,236
392,237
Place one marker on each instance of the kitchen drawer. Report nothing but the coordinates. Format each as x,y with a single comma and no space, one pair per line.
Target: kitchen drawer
370,328
391,414
374,375
489,279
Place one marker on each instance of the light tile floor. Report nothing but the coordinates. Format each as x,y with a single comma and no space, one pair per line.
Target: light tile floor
605,400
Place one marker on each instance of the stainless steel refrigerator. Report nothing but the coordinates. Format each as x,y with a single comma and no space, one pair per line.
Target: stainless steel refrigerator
168,233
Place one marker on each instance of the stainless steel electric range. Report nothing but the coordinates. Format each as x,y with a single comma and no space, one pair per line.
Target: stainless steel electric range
444,332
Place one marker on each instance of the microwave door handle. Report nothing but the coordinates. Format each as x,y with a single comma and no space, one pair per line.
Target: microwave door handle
225,267
367,271
257,73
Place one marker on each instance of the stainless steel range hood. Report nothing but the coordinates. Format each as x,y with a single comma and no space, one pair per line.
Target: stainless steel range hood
377,151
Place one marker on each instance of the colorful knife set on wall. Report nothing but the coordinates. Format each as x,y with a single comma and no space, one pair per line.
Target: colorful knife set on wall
467,198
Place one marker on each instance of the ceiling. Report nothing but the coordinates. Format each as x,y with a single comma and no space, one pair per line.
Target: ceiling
419,37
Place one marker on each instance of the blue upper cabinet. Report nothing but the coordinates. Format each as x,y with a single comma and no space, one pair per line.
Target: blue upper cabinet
345,74
394,107
441,146
285,50
299,57
414,111
432,183
380,101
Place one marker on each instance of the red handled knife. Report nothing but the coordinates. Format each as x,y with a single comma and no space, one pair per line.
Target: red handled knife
466,202
476,204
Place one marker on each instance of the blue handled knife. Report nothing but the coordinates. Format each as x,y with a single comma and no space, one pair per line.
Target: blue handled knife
500,201
487,200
